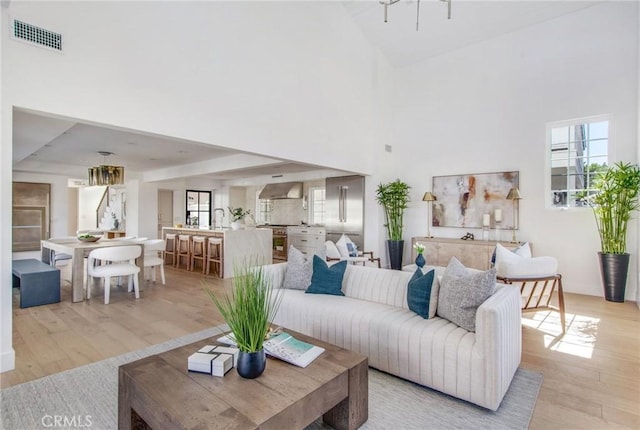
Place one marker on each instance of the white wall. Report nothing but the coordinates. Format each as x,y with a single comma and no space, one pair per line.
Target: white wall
7,354
484,109
225,73
88,200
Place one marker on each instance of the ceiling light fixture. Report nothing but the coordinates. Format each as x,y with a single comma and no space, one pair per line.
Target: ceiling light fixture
106,174
388,3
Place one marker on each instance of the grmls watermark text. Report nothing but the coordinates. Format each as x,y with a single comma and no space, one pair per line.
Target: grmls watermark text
74,421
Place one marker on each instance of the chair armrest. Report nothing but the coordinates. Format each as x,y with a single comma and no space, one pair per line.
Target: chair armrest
499,337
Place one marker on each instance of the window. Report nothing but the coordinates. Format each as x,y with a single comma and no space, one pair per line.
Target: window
198,208
316,205
578,151
263,210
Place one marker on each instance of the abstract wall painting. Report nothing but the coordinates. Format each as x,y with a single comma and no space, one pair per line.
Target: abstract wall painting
464,200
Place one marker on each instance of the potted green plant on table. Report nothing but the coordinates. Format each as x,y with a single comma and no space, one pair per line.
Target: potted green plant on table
615,200
393,197
249,309
237,216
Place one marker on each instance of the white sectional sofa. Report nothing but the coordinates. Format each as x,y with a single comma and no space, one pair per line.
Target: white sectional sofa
373,319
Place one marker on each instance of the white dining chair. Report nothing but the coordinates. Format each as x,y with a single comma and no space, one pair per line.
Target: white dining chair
154,257
117,261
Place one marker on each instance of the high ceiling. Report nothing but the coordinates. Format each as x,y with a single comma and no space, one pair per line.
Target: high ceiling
47,144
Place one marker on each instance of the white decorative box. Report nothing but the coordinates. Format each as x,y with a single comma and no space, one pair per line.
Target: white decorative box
213,360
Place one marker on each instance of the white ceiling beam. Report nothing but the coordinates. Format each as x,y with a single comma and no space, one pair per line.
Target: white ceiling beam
216,165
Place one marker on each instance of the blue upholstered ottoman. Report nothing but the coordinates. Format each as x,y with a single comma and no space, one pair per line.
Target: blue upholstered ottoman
39,283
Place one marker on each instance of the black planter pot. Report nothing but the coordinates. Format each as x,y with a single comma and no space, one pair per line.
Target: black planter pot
251,364
613,268
396,248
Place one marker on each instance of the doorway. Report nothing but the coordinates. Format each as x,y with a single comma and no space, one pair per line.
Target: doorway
165,210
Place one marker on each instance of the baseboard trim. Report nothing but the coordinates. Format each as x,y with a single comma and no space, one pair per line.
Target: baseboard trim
7,360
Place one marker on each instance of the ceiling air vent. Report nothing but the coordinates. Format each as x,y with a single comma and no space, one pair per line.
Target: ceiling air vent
36,35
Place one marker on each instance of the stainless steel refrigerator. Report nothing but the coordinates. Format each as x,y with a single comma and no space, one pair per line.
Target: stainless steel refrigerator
344,208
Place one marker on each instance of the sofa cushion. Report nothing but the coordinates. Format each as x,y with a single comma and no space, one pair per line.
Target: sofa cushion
299,270
419,292
326,279
462,291
536,267
519,263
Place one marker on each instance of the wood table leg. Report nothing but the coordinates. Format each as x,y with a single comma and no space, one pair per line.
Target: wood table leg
124,401
353,411
77,275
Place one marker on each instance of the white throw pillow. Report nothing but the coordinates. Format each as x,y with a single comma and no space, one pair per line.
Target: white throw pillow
343,249
504,255
332,250
520,264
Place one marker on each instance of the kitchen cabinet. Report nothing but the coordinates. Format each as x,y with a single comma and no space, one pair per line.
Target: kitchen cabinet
475,254
308,240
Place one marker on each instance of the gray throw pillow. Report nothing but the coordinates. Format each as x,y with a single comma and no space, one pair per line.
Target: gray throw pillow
299,270
462,290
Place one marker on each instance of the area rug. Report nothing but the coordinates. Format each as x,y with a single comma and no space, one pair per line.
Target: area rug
87,397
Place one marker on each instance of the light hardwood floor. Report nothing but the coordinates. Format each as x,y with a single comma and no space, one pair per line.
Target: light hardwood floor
591,375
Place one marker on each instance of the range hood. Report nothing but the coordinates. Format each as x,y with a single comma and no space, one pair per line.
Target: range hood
283,190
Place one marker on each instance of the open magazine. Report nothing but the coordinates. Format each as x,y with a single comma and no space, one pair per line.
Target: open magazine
286,348
289,349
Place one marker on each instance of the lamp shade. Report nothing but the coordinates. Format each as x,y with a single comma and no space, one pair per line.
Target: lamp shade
429,197
105,174
514,194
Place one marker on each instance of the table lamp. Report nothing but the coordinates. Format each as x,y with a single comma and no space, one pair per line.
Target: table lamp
514,196
429,198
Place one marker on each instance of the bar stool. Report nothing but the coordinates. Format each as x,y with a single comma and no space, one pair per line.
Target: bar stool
170,247
197,251
182,249
214,255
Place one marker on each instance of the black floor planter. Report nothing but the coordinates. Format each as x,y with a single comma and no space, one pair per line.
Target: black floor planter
614,268
396,249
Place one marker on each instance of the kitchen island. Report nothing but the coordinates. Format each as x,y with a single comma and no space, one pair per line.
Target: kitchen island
238,246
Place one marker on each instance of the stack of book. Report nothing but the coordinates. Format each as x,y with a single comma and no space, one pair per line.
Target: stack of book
213,360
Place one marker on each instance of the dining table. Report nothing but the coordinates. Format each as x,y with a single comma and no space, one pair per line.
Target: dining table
79,250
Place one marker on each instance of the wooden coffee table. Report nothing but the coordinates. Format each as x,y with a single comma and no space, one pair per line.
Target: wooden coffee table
157,392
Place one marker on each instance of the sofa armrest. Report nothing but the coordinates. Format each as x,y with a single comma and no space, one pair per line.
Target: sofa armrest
499,338
275,274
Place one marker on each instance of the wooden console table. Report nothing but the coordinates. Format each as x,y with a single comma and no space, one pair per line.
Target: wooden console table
472,253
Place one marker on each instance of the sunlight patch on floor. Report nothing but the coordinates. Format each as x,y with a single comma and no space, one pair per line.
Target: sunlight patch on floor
580,338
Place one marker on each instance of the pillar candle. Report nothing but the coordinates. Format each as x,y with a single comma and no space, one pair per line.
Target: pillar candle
486,220
498,215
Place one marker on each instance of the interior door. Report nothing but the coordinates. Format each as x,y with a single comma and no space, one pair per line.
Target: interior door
165,210
31,215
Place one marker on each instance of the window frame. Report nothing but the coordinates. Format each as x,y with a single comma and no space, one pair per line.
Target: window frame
548,191
189,212
311,205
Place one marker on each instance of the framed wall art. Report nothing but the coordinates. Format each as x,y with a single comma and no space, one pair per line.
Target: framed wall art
466,200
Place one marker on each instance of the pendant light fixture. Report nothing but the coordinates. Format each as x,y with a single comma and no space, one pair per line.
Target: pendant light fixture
105,174
387,3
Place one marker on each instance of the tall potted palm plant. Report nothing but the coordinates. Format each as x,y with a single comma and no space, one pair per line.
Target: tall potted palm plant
613,204
393,197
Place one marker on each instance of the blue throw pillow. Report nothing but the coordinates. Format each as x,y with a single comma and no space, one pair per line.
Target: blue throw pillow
327,279
419,292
